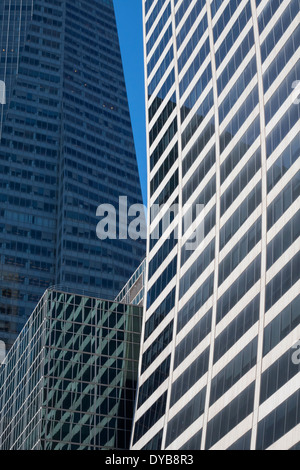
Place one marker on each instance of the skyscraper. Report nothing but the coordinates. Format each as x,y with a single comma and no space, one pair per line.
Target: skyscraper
66,147
218,369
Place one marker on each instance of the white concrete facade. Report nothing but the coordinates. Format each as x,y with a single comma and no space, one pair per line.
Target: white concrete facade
222,71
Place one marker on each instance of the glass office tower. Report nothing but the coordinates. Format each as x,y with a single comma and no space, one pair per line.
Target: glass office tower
66,147
69,381
218,369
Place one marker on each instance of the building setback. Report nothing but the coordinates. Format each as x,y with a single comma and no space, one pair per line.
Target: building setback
69,381
66,147
218,369
134,290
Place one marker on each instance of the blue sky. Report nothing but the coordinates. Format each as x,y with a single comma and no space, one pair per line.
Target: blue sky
130,28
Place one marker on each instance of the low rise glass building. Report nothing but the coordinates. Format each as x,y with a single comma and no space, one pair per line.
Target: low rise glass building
69,381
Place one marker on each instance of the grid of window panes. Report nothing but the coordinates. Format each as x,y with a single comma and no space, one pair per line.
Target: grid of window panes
66,148
204,343
80,391
28,157
21,385
15,16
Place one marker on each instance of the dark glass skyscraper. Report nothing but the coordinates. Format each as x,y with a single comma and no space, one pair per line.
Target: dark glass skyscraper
66,147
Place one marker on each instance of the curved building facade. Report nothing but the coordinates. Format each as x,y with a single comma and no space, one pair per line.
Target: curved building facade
218,367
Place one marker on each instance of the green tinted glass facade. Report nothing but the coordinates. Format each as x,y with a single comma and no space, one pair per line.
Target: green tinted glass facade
69,380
